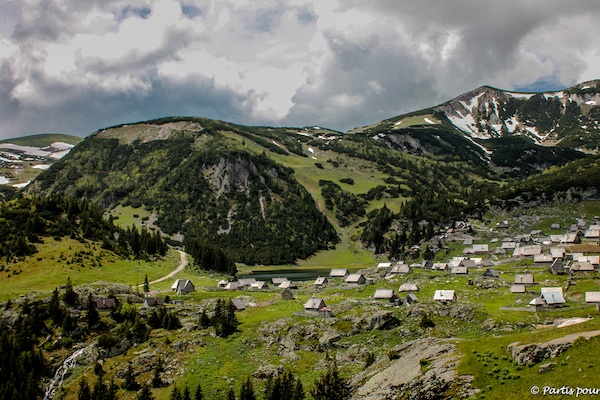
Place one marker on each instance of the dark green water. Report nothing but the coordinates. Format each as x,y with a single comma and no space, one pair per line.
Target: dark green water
295,275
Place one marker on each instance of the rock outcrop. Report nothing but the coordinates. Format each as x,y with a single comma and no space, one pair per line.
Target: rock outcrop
420,369
534,353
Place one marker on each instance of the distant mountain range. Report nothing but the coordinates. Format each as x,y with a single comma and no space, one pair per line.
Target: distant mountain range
21,159
272,195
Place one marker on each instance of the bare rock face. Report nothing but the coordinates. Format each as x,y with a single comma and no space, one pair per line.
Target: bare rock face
537,352
420,369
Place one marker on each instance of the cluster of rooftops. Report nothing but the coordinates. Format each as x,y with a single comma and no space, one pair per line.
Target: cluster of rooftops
544,250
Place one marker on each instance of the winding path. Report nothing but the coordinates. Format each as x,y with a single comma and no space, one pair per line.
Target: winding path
182,264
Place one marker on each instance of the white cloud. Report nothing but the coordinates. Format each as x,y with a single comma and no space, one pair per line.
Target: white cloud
73,66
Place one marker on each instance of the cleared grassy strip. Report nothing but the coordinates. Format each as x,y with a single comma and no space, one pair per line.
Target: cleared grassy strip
83,263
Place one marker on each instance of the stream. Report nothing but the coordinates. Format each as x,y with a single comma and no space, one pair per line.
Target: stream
59,376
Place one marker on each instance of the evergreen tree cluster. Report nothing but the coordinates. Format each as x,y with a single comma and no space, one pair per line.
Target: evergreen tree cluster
163,318
223,318
267,217
22,366
209,257
24,221
100,390
347,207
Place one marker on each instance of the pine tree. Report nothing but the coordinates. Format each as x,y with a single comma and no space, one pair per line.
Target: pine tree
186,395
175,393
145,393
70,297
84,390
198,395
156,380
331,386
218,319
247,390
93,316
231,394
231,321
204,320
146,284
54,309
129,383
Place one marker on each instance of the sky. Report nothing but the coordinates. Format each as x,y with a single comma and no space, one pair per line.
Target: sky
74,67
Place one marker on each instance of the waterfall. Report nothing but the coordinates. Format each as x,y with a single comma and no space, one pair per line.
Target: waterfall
59,376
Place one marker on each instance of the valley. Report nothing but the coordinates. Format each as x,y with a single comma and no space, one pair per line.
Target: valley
501,222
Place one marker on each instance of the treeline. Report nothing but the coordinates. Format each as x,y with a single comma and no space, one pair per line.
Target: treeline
248,205
22,365
51,324
420,217
26,220
208,257
286,386
557,183
223,318
347,207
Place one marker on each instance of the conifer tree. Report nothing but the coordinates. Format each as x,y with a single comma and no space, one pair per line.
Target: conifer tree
70,297
93,316
156,380
54,309
331,386
129,383
145,393
198,395
247,390
84,390
175,393
146,284
186,395
231,394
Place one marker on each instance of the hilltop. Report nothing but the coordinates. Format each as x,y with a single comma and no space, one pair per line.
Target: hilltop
416,191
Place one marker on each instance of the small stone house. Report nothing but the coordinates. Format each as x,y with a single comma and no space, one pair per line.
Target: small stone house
518,288
246,282
321,282
460,270
153,302
183,286
401,269
232,286
385,294
537,304
553,296
314,304
222,283
356,279
524,279
104,303
288,285
491,273
238,304
593,298
408,287
259,285
278,281
410,299
582,266
287,294
338,273
445,296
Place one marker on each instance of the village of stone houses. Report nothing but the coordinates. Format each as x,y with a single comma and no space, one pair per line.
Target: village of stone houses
449,325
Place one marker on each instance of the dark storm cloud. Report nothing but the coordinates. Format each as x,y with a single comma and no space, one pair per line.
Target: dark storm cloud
77,66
